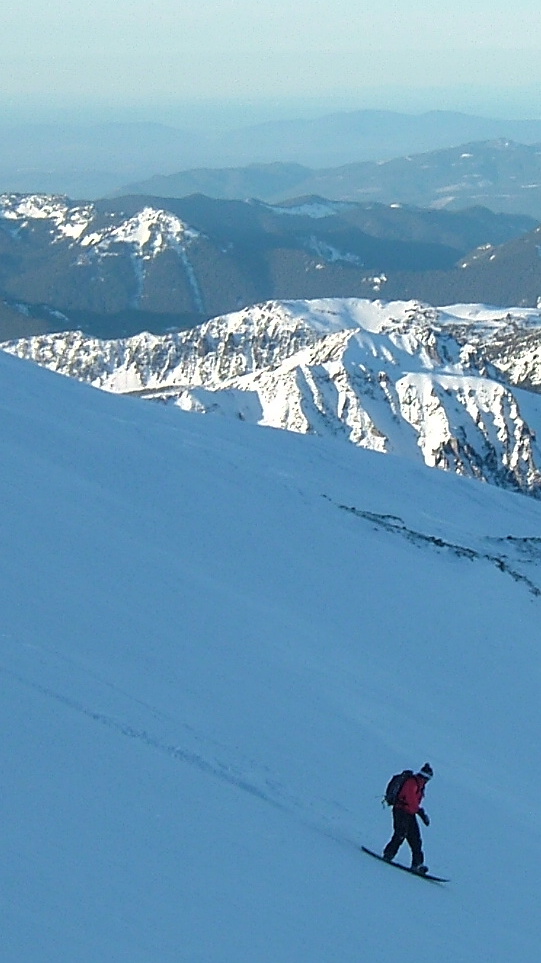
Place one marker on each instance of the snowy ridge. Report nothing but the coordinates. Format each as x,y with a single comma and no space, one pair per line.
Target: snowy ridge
146,235
388,399
399,377
67,221
149,232
210,355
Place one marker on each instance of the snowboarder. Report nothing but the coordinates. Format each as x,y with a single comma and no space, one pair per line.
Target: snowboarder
406,808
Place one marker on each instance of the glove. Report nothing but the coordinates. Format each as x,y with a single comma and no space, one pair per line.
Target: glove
424,817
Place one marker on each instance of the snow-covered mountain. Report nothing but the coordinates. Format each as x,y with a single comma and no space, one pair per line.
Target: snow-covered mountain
438,385
147,232
145,235
88,259
121,266
217,643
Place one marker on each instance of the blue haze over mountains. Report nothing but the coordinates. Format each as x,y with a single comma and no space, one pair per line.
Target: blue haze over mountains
88,161
499,174
439,206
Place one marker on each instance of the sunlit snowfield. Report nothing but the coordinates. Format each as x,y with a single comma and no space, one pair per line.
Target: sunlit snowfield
217,642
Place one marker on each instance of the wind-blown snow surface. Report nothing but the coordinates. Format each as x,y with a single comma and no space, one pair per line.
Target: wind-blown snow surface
217,642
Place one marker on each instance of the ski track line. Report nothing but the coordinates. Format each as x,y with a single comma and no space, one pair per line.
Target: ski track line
222,771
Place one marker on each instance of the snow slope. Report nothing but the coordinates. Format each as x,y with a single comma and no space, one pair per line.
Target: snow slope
217,642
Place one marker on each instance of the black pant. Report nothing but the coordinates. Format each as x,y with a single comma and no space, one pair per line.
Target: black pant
405,827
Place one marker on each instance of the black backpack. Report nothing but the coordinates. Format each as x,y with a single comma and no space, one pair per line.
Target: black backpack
395,785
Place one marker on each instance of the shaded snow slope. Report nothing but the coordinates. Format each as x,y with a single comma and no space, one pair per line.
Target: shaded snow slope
217,642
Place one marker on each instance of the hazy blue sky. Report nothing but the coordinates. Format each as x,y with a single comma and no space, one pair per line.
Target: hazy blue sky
122,53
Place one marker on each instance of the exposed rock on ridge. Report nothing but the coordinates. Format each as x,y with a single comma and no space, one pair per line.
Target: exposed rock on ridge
401,378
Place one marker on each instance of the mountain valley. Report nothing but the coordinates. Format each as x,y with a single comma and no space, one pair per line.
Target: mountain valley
115,268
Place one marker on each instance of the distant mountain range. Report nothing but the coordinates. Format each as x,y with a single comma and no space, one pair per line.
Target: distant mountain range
93,161
114,268
439,385
499,174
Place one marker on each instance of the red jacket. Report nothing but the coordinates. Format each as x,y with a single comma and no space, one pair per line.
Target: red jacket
411,795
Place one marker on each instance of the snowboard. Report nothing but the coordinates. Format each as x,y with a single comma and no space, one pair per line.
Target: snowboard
406,869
